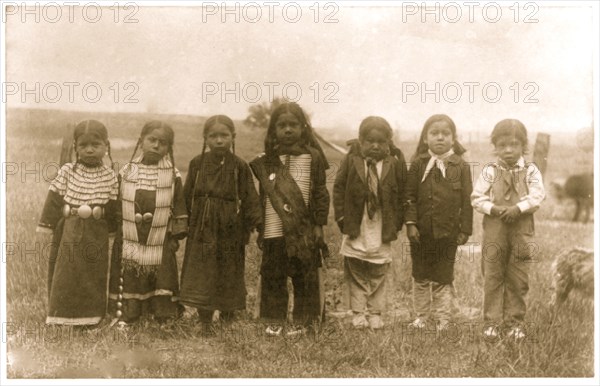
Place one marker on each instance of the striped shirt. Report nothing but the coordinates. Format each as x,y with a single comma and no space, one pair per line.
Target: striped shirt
299,169
85,185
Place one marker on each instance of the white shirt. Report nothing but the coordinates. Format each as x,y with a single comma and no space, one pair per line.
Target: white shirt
368,246
482,197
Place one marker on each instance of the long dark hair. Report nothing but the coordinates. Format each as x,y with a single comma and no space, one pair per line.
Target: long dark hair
422,147
307,138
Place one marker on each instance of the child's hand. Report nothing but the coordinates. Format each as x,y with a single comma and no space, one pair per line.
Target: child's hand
318,232
340,224
260,240
413,233
511,214
498,210
462,238
174,245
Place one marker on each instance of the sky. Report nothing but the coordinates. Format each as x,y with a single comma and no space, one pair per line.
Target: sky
382,60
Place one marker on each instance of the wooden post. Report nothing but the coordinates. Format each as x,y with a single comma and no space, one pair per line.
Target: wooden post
66,151
540,152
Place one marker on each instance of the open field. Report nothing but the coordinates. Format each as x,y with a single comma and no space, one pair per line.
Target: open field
560,344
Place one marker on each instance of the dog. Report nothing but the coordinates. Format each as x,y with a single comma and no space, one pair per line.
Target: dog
580,188
572,270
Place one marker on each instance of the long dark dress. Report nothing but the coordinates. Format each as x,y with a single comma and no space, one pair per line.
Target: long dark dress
150,289
212,276
78,266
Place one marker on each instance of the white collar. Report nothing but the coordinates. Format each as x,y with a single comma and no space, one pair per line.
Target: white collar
441,156
437,160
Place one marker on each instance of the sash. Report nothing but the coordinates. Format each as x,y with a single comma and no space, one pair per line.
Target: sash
286,199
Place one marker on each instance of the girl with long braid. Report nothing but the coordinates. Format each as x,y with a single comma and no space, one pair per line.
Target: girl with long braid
144,277
80,212
224,208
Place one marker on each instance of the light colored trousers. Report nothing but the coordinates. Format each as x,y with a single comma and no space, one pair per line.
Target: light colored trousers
367,284
506,257
432,296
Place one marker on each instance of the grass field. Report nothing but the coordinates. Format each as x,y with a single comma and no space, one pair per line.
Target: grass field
559,344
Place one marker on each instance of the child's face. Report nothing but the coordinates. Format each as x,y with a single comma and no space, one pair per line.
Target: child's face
90,149
155,145
288,129
219,138
509,149
439,137
374,144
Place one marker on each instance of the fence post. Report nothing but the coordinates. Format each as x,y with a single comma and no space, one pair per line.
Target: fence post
540,152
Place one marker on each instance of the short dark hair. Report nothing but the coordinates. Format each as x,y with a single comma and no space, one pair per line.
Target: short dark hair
511,127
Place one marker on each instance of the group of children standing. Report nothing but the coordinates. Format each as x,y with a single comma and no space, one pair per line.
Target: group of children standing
149,210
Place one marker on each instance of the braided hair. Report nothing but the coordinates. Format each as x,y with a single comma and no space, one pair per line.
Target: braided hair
149,128
95,128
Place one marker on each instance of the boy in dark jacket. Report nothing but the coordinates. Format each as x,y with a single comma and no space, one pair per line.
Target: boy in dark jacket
368,196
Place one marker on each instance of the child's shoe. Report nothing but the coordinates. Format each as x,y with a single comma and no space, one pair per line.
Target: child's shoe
443,325
273,330
516,333
375,322
418,323
294,331
360,321
490,333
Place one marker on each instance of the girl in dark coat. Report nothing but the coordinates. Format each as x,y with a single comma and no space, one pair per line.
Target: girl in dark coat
224,208
439,217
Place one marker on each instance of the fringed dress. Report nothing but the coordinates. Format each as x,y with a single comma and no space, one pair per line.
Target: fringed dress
144,276
79,262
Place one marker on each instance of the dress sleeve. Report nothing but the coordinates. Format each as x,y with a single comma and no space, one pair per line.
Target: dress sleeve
51,212
401,176
339,189
251,208
188,187
180,213
412,192
320,194
466,210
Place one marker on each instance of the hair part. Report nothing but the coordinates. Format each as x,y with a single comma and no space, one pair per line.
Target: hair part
149,128
510,127
95,128
218,119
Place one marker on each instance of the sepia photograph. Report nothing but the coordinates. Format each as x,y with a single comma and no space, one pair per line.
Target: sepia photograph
247,192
